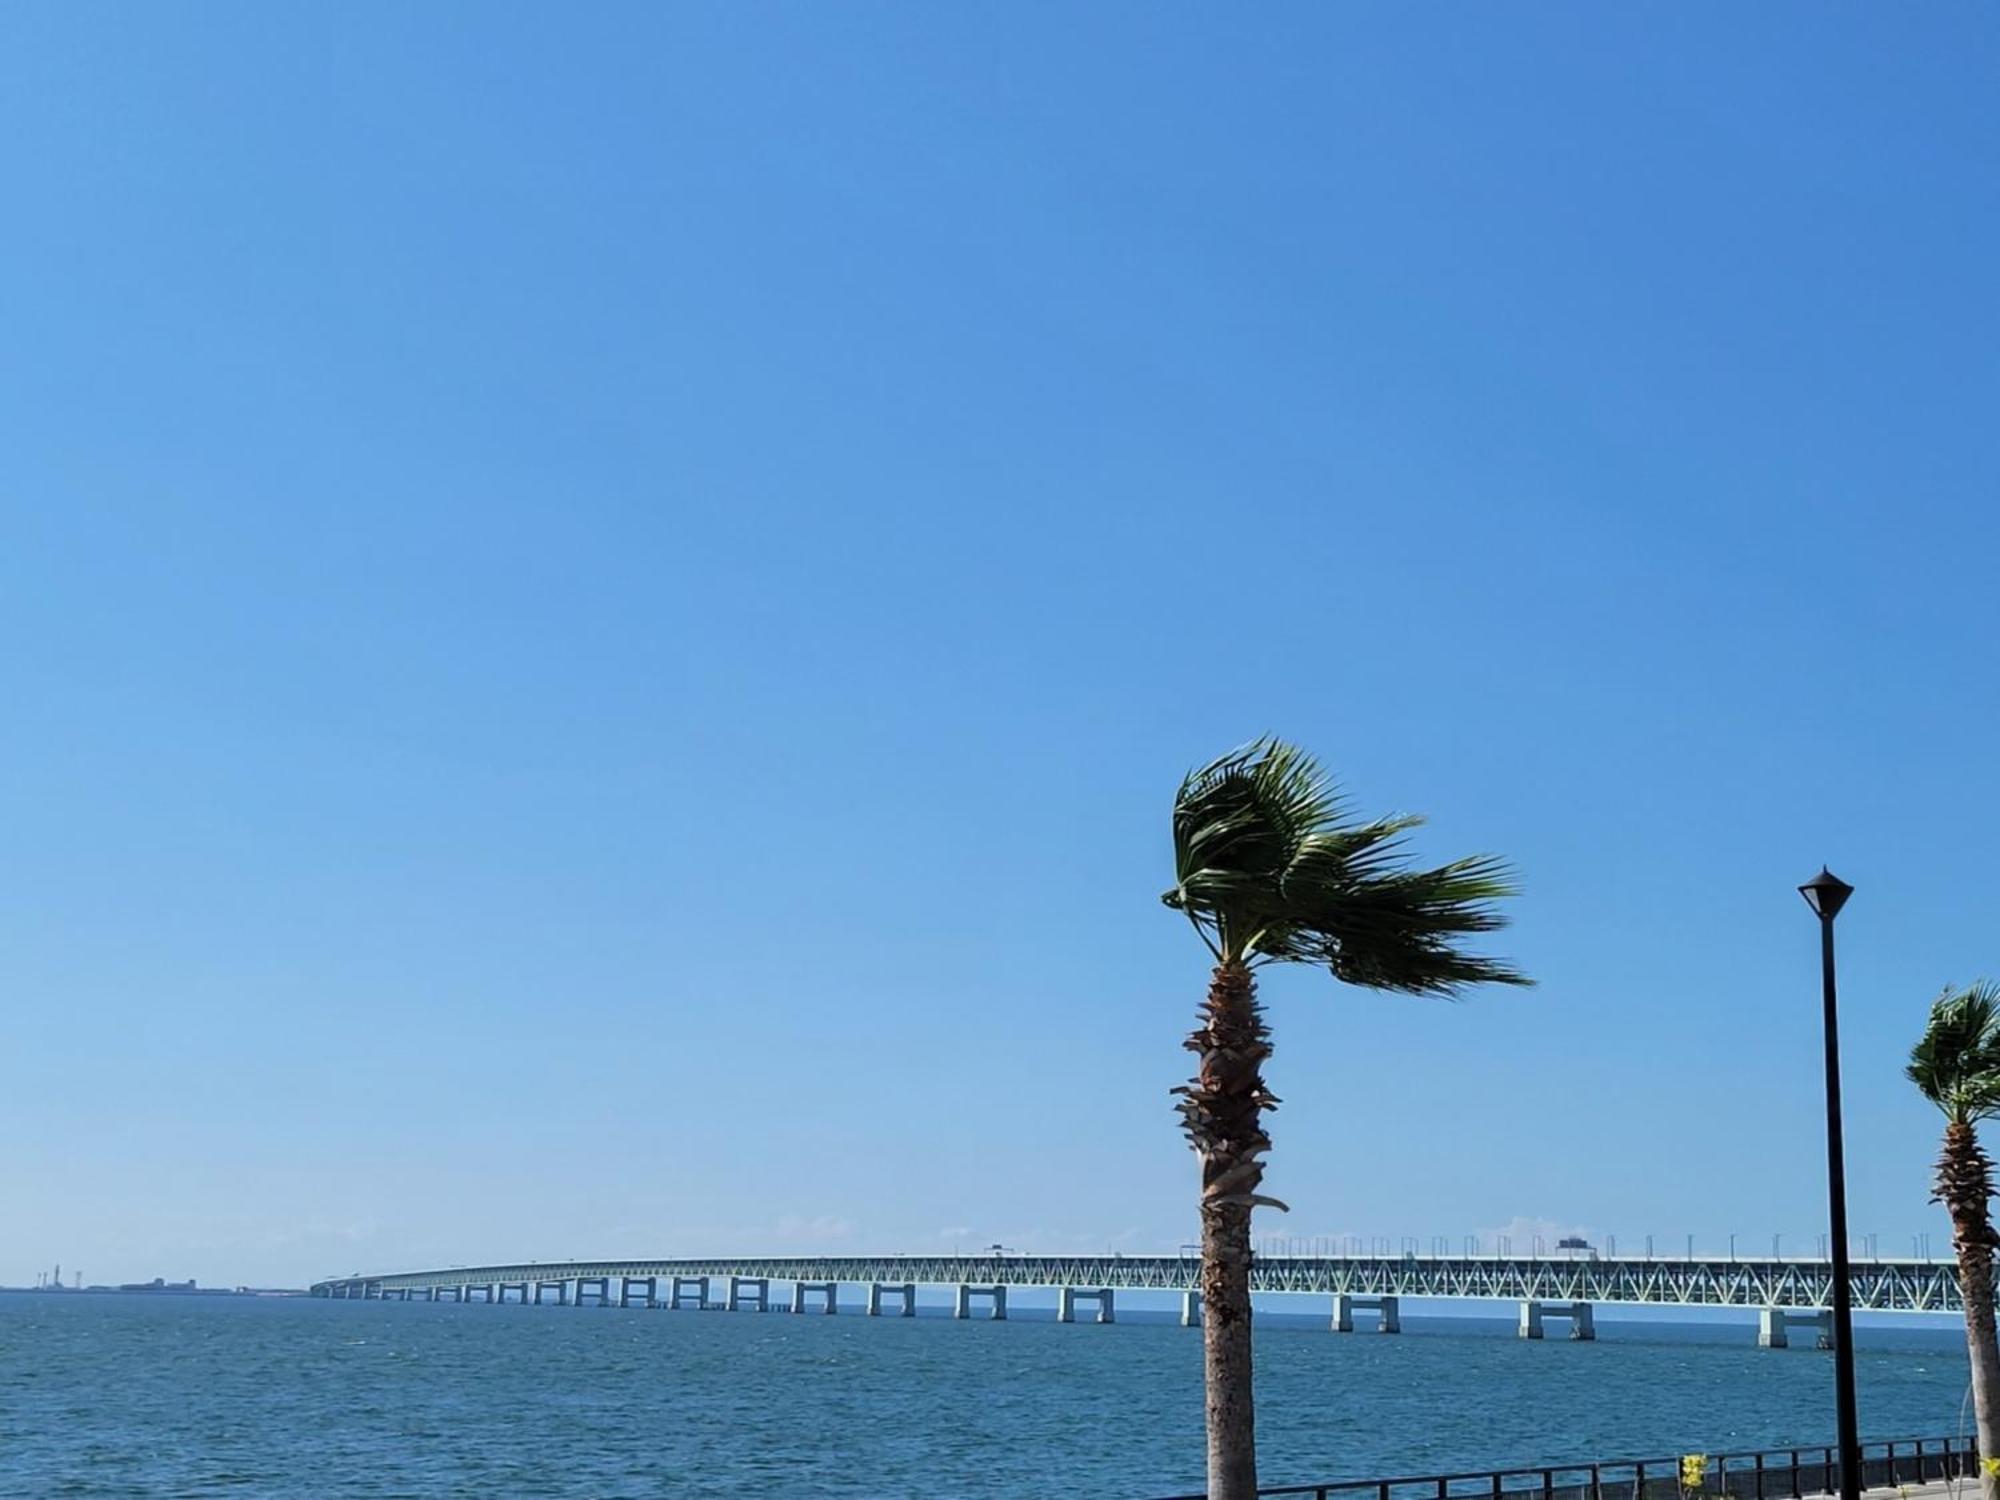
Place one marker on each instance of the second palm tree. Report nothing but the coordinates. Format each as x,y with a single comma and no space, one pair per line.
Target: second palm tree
1956,1065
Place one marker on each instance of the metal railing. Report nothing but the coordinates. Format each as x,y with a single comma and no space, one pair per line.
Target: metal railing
1774,1474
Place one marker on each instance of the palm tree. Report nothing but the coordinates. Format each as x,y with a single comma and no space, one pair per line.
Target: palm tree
1270,867
1956,1065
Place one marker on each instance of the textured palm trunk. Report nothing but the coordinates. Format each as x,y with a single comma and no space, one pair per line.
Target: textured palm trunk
1222,1113
1964,1187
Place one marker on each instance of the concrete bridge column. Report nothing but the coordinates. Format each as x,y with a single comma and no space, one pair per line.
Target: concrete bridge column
686,1285
963,1307
593,1286
649,1284
1066,1297
1388,1312
1582,1323
1190,1309
1773,1322
744,1290
830,1290
907,1291
562,1292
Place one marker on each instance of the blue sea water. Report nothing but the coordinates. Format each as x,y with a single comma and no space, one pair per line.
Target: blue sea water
298,1399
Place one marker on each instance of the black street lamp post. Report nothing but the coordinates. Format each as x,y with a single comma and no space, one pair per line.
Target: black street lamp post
1826,893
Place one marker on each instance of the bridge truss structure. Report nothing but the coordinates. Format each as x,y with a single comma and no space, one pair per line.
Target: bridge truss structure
1905,1286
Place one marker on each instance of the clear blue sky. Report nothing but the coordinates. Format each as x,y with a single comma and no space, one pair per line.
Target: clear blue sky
604,607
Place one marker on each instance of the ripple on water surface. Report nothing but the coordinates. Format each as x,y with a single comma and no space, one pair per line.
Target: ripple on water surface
132,1396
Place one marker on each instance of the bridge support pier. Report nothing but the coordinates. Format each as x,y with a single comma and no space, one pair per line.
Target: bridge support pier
1773,1323
827,1289
518,1288
746,1290
689,1286
1190,1309
1066,1299
907,1291
1388,1311
593,1286
561,1289
962,1308
1582,1324
651,1289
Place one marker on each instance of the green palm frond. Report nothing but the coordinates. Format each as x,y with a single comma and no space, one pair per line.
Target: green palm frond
1956,1063
1270,866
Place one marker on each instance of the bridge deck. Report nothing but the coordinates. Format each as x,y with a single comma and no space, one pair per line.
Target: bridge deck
1927,1286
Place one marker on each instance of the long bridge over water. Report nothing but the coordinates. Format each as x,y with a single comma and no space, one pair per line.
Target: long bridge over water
1785,1292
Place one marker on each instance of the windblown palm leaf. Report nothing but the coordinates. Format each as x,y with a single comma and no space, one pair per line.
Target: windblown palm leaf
1956,1063
1270,867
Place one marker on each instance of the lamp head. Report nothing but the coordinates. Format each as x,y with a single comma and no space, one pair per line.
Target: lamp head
1826,893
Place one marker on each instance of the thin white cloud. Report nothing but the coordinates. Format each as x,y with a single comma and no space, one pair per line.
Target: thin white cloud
818,1228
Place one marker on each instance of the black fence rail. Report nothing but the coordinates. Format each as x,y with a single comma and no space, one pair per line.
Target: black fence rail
1775,1474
